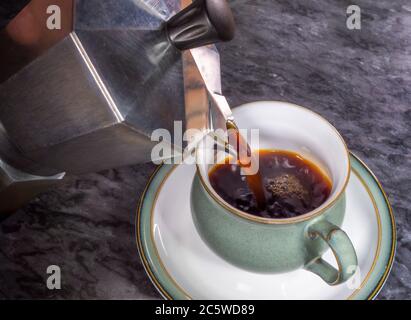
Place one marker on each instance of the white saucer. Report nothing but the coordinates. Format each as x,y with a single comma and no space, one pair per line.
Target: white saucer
181,266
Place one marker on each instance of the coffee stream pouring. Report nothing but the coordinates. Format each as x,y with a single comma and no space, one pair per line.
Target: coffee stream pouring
88,96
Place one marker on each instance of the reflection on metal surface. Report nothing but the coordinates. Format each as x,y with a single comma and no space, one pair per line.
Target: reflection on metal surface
17,187
27,36
207,60
196,97
97,78
206,107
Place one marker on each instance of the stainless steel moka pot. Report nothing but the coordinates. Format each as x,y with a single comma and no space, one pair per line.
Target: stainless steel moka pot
87,96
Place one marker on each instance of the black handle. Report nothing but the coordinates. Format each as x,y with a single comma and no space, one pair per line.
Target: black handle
201,23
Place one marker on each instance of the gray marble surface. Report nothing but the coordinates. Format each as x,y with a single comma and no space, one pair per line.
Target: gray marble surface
298,51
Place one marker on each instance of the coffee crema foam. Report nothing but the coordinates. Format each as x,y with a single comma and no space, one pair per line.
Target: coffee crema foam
291,185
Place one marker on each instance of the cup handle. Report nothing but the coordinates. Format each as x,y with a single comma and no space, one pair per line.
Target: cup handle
342,249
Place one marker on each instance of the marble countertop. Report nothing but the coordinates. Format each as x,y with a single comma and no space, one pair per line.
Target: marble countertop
298,51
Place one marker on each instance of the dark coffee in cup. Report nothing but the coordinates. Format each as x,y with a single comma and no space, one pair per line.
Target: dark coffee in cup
292,185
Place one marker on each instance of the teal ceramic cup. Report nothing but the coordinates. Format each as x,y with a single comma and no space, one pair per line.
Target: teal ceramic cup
280,245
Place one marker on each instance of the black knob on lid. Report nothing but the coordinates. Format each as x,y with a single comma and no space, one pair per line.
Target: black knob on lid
201,23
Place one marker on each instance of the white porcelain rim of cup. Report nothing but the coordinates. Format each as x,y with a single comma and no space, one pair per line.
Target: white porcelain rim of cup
336,194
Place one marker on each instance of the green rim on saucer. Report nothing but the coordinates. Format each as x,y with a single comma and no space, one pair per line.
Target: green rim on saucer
168,287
